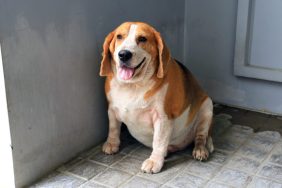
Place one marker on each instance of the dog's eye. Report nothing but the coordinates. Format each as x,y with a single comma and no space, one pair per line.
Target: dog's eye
142,39
119,36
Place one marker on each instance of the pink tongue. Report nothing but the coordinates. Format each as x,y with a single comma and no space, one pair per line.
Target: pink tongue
126,73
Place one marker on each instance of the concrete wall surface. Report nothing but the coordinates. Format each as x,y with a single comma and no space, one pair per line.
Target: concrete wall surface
51,55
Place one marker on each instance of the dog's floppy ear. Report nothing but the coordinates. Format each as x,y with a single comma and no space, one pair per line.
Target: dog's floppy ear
164,55
105,68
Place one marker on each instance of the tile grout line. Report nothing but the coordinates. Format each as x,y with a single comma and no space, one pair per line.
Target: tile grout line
97,162
111,167
229,159
177,175
181,170
93,181
264,162
269,179
128,180
73,175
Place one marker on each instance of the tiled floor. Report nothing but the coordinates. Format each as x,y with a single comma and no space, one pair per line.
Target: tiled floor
248,153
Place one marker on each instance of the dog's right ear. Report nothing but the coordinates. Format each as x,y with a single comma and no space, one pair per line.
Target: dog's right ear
105,68
164,55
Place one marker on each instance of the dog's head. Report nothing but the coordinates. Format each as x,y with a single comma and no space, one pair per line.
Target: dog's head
133,52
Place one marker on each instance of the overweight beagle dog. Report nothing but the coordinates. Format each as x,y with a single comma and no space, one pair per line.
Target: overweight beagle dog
157,98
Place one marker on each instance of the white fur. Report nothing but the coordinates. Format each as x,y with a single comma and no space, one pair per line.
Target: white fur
131,108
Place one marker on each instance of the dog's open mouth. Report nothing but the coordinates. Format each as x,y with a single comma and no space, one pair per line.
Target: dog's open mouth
127,72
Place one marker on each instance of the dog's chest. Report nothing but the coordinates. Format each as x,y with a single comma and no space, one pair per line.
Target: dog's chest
129,105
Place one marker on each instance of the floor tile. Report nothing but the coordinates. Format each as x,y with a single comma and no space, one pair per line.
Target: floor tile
165,186
170,169
265,143
218,157
112,177
86,169
240,130
272,135
140,182
129,164
259,182
106,159
202,169
233,177
276,156
213,184
126,148
69,164
272,171
238,133
142,153
90,152
91,184
243,164
253,151
59,180
187,181
226,144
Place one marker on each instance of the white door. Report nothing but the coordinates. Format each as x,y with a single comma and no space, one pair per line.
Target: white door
259,40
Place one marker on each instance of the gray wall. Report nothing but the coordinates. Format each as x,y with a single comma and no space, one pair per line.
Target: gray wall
51,55
210,30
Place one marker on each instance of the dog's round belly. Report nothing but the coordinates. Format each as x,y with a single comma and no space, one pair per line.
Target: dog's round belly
142,134
142,131
139,123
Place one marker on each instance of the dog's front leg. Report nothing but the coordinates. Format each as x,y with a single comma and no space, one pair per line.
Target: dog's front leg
162,134
111,146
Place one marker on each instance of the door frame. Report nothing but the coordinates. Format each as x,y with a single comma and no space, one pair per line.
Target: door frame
242,67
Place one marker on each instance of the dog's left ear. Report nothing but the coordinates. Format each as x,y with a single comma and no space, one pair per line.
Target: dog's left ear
105,68
164,55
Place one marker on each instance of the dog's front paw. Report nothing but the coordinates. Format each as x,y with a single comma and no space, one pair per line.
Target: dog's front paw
152,166
109,148
200,153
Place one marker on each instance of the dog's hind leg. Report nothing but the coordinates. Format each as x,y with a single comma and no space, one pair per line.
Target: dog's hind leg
210,146
203,140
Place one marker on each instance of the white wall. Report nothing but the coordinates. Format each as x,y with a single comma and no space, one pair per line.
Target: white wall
6,158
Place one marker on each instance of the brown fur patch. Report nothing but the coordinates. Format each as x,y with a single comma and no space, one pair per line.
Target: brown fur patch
183,90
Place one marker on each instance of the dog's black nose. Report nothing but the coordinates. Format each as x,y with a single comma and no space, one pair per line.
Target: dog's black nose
124,55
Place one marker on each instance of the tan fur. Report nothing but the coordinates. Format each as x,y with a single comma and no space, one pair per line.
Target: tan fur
162,105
